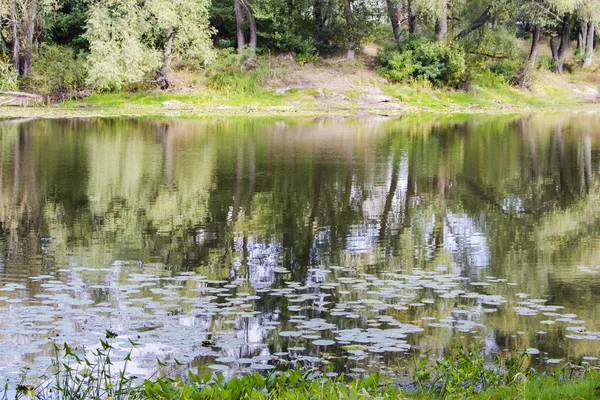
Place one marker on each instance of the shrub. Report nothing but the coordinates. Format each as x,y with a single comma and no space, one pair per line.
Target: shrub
507,69
495,74
56,71
420,59
546,62
228,75
8,76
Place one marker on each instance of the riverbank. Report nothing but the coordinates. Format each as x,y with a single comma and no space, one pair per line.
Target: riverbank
460,375
331,87
294,385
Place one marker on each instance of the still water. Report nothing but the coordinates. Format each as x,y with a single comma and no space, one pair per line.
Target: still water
349,245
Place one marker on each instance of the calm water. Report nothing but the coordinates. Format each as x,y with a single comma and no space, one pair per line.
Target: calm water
347,245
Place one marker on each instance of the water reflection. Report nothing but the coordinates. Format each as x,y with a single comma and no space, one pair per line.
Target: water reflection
229,242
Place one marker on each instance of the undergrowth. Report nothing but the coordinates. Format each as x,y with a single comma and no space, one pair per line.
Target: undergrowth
234,75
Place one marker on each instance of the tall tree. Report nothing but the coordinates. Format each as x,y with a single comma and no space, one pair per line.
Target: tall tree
589,48
351,29
536,32
565,38
393,11
253,30
22,17
441,23
322,11
129,39
239,25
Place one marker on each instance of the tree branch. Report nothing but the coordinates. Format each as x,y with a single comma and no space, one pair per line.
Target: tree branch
483,18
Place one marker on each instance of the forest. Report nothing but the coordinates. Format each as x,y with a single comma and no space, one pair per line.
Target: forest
70,48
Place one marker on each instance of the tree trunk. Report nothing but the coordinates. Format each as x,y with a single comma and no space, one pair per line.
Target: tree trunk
441,24
553,47
393,15
23,16
412,23
582,38
162,79
565,37
589,49
253,31
239,25
350,22
537,30
15,35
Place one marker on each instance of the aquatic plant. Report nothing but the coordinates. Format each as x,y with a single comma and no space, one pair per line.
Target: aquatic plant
463,373
74,375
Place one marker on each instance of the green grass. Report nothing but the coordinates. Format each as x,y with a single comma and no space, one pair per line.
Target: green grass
462,374
188,100
489,99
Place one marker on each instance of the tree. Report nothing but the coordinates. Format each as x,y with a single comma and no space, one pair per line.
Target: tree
565,38
588,13
351,29
184,29
241,8
131,39
441,23
239,25
22,17
393,12
118,53
589,48
533,52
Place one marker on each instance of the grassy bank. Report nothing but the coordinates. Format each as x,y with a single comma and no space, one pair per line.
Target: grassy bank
77,374
283,87
293,385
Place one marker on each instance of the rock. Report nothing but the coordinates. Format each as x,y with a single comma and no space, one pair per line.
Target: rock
377,98
172,104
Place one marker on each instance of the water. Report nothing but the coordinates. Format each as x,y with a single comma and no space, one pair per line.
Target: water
349,245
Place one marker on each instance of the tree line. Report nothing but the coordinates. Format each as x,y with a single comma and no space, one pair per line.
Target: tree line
117,42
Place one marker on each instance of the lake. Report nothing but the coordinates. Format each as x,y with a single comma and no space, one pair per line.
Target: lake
349,245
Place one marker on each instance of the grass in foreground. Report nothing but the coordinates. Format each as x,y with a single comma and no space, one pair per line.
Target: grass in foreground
463,374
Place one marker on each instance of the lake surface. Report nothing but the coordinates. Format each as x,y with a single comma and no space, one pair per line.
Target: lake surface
349,245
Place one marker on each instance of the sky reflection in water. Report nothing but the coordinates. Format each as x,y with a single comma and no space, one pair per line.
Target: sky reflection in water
344,244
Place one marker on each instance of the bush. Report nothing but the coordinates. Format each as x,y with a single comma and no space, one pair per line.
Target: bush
228,75
56,71
546,63
420,59
8,76
495,74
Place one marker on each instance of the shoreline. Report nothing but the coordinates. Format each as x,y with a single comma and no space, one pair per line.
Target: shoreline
53,112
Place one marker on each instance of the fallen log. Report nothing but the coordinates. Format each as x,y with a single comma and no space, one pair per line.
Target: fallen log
23,94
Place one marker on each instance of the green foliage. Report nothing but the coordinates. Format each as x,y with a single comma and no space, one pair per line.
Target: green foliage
495,74
464,373
78,376
499,43
308,57
118,55
66,25
285,25
227,75
546,63
420,59
295,385
57,71
127,38
8,75
461,374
